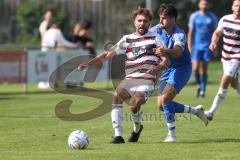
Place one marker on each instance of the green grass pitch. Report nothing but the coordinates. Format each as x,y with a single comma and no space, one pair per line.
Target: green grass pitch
30,130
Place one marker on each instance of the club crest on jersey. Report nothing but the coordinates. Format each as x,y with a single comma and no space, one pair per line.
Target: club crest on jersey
138,50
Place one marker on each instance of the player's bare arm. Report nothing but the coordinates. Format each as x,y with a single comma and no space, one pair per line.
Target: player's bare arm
102,57
215,38
159,68
190,39
177,51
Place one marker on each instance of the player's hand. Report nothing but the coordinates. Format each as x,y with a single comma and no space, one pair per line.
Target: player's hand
82,67
213,47
89,44
161,51
78,45
155,70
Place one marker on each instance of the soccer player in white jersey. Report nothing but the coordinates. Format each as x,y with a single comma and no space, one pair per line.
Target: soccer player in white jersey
229,28
141,67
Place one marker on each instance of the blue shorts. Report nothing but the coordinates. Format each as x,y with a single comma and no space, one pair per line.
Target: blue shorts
203,55
177,77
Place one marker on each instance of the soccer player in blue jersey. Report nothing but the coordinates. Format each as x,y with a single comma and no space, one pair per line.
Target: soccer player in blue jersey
201,27
176,76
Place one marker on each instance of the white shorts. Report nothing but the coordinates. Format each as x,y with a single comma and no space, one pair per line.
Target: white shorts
146,87
230,67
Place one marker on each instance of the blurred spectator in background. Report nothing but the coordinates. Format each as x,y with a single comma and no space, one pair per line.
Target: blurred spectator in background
48,16
74,36
201,27
54,38
81,34
86,25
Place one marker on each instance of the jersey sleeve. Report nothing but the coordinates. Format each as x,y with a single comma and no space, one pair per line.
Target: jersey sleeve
63,41
159,40
220,24
158,37
191,21
180,40
120,47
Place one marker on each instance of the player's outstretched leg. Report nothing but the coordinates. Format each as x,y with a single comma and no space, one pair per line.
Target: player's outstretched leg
169,113
138,127
236,83
203,85
209,115
117,140
135,106
199,112
135,135
216,103
117,121
170,138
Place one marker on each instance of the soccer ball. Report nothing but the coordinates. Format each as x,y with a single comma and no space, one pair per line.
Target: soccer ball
78,140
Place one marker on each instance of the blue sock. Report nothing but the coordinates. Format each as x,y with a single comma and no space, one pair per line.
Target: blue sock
204,82
197,79
169,112
179,108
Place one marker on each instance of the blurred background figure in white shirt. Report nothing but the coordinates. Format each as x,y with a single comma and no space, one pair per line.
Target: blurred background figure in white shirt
53,38
48,16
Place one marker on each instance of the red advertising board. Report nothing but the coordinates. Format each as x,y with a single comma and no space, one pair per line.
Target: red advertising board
13,66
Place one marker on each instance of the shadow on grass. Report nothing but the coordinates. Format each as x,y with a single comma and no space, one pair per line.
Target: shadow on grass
224,140
10,98
27,116
201,141
36,92
192,83
2,95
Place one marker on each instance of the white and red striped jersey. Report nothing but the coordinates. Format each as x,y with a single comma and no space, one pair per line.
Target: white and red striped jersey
139,51
231,37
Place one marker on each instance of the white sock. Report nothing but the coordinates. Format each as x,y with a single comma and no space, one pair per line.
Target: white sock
189,109
217,100
117,119
137,119
171,129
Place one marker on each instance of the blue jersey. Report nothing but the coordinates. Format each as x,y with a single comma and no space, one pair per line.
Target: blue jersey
178,37
203,26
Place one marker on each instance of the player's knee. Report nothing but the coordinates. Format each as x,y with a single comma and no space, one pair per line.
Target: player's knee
166,98
137,100
159,106
134,109
234,82
117,98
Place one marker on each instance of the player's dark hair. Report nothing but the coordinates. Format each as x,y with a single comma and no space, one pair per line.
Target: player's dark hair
168,10
52,22
86,24
142,11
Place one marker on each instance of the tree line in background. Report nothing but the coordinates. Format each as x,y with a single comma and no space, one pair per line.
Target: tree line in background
110,19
